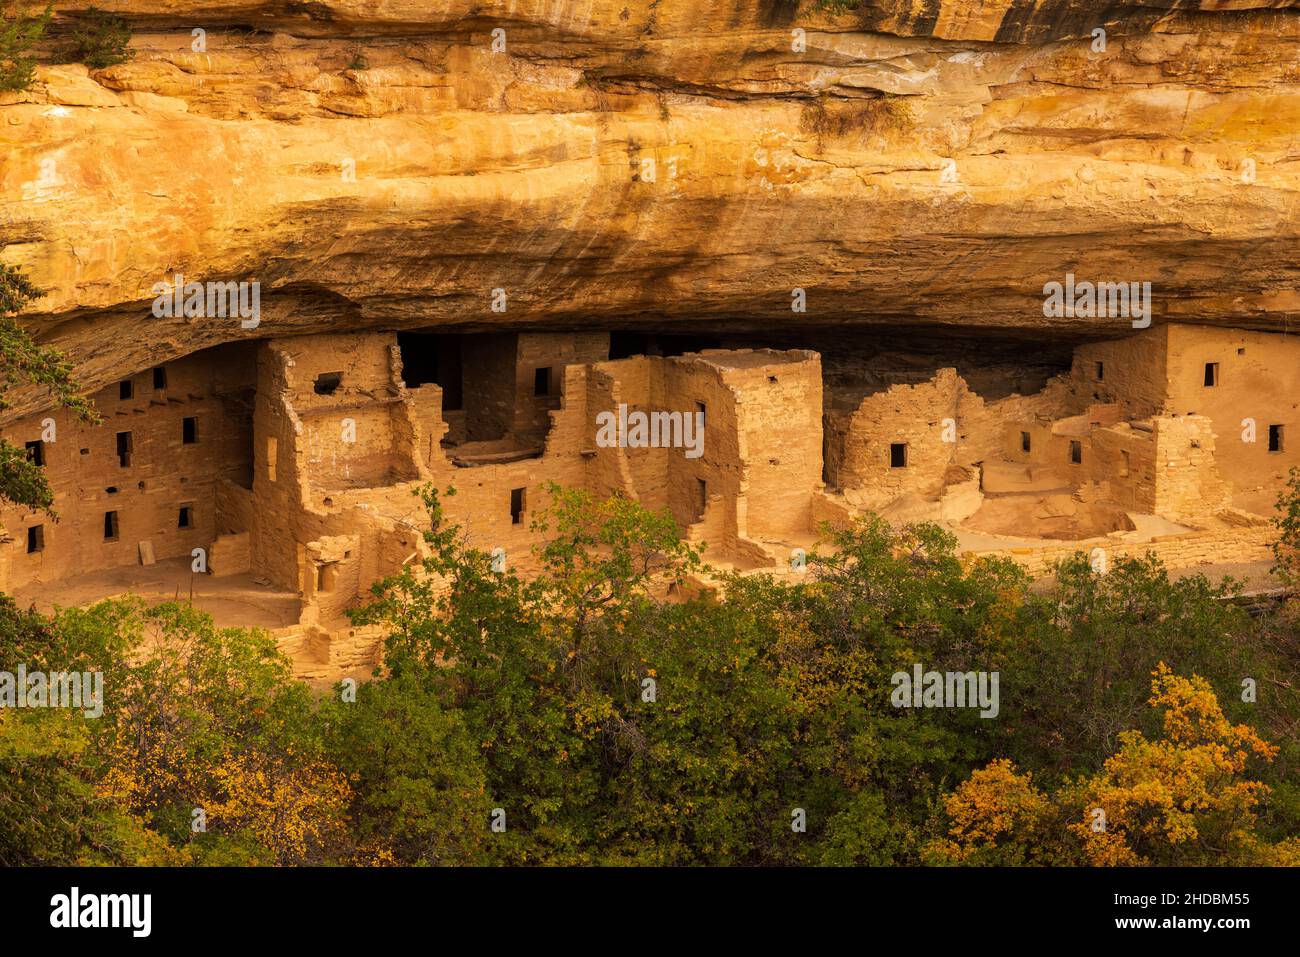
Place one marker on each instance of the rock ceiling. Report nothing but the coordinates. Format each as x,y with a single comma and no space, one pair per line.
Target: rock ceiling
664,163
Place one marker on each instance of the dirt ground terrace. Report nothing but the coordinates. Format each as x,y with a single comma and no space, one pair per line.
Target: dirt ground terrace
236,601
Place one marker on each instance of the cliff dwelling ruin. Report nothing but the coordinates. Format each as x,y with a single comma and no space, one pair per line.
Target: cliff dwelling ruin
272,481
637,181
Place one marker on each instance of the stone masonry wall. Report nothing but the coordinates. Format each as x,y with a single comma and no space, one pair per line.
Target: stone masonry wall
1258,379
778,412
164,472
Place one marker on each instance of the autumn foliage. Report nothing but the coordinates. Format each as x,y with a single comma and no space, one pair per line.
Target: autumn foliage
578,717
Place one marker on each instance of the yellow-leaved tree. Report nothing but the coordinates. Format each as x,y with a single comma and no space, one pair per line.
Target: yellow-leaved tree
997,817
1184,798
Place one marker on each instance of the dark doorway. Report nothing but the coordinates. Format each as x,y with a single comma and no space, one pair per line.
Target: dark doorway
433,358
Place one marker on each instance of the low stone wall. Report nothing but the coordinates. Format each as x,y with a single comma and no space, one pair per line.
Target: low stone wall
1219,547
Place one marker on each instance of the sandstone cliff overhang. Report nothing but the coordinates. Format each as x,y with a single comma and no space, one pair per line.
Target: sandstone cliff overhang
667,164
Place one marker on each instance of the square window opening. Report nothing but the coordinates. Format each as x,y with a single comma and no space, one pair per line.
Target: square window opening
35,539
36,453
110,527
516,506
1211,373
898,455
1276,438
1076,452
189,430
125,389
327,383
542,381
159,378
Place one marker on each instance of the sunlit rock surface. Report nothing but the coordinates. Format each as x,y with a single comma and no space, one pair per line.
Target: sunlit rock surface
656,164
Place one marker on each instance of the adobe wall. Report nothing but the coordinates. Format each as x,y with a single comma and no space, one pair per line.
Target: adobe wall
689,380
1259,379
761,457
1095,462
1162,466
638,383
858,442
1133,373
357,436
332,516
778,402
302,457
340,515
1188,485
664,477
1120,462
164,473
608,471
314,488
482,503
988,431
554,351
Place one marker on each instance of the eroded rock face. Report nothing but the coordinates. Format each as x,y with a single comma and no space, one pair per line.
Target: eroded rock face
657,164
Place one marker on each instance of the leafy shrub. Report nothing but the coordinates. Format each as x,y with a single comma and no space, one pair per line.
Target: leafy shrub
17,36
24,362
1286,550
101,39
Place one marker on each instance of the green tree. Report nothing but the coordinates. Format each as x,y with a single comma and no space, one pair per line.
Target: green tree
101,39
200,718
1286,550
881,602
619,728
526,664
23,362
1080,663
418,782
52,811
18,34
